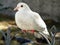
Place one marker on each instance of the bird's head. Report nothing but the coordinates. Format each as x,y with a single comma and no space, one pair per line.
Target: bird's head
21,6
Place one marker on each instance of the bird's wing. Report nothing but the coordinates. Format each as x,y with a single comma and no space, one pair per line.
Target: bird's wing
39,20
40,23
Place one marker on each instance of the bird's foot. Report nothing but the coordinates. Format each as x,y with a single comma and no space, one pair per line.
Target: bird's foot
28,31
31,31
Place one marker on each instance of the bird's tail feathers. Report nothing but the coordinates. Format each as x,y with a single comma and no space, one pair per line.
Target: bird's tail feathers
46,32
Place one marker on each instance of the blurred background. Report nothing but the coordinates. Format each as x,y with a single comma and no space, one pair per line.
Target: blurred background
48,9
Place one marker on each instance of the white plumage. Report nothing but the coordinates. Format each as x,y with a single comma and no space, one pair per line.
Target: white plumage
26,19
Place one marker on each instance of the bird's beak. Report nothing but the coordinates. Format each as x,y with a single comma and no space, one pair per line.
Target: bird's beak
16,9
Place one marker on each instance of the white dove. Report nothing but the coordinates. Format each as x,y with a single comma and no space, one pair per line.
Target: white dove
26,19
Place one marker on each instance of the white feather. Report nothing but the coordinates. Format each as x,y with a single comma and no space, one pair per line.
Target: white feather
26,19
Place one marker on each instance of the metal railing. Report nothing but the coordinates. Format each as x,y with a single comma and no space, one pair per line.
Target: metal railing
8,37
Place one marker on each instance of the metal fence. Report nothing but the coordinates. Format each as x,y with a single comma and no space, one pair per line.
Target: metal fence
8,38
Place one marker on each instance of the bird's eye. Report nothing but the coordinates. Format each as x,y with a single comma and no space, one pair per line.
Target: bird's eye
21,5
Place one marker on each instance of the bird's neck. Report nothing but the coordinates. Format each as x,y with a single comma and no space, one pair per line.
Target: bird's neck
26,10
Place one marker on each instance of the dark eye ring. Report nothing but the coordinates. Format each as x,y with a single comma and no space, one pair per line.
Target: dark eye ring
21,5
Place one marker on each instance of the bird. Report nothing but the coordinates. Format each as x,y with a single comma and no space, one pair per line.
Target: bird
28,20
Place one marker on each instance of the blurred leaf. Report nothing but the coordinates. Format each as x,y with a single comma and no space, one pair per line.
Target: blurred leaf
14,42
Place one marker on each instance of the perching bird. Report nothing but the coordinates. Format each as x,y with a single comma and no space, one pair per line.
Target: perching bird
26,19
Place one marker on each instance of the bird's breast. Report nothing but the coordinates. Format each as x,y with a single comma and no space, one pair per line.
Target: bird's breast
24,22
